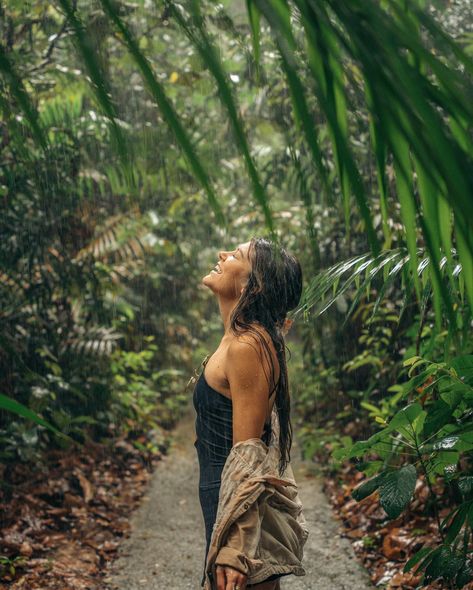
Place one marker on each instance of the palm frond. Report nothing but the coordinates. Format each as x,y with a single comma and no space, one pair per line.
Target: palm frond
420,112
18,91
198,35
97,76
165,106
358,273
328,92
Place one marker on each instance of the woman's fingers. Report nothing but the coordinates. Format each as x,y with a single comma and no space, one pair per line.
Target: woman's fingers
228,578
234,578
221,578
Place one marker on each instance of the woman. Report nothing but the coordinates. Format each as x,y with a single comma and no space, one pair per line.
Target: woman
256,285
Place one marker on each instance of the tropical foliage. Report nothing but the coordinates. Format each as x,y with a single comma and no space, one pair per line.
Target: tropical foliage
342,128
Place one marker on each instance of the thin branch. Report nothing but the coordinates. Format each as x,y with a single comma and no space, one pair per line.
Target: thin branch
47,58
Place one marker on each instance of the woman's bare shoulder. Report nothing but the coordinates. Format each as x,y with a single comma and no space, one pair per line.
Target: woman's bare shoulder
247,348
252,337
248,363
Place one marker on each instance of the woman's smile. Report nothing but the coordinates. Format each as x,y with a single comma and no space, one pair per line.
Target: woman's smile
224,256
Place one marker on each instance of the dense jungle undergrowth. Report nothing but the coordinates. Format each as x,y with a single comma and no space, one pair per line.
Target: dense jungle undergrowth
139,138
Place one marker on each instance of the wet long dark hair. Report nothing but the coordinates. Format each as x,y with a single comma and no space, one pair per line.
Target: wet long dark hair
274,288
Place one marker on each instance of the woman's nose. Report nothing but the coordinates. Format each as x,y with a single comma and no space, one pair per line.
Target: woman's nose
222,255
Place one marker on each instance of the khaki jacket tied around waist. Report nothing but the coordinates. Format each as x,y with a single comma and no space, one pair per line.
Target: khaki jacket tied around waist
260,529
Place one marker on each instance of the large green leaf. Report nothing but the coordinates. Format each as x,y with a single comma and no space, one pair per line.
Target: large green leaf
465,484
457,522
447,563
368,487
254,18
417,557
11,405
358,272
464,367
397,489
407,417
438,415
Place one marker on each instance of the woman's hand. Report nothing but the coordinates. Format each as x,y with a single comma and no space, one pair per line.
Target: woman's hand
229,578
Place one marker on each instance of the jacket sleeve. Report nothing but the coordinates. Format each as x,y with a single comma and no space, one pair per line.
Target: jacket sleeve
242,540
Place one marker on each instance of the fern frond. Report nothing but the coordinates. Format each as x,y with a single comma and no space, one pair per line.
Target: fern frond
110,247
99,341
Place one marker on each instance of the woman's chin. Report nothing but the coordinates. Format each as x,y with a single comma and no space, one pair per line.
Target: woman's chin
207,280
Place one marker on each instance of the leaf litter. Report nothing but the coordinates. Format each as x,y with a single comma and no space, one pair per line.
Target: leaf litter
382,545
61,524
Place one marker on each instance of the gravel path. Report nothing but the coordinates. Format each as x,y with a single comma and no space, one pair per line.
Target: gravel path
166,547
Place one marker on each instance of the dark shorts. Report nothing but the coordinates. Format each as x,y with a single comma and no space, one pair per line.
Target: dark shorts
208,497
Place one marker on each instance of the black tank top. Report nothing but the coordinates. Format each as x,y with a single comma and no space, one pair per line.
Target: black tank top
213,425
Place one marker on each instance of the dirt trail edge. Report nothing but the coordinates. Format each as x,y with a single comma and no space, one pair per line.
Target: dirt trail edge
166,546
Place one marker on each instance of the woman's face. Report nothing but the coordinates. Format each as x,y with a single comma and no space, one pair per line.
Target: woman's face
230,274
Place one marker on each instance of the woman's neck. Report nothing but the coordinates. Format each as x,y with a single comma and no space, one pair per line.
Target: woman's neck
226,308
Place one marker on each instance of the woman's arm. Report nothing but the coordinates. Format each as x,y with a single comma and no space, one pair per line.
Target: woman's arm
248,378
248,374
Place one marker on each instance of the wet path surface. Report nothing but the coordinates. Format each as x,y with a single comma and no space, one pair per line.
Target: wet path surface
167,544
